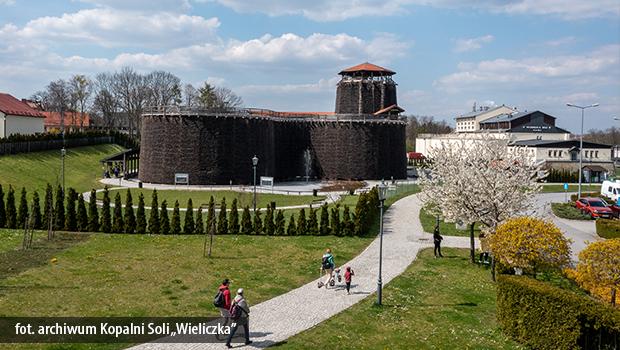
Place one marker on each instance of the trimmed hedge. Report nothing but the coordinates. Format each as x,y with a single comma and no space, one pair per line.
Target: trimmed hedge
18,143
542,316
568,211
608,228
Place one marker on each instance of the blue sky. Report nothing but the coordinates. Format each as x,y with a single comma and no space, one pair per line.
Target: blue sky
285,55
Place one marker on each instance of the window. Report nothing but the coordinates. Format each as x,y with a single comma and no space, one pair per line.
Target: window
555,153
549,154
596,154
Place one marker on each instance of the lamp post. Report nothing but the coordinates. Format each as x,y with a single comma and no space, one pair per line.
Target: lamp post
254,164
581,141
63,153
382,192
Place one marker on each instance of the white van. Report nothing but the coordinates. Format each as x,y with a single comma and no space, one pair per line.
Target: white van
611,189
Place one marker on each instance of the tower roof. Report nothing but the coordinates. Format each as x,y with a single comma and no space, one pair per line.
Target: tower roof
366,68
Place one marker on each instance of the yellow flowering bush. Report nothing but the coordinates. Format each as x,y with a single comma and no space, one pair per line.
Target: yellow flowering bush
530,244
598,270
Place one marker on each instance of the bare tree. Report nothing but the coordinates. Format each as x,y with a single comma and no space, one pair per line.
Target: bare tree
191,96
57,98
105,104
164,88
81,90
218,97
424,125
131,91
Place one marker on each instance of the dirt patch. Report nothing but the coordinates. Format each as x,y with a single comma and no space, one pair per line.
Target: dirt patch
343,186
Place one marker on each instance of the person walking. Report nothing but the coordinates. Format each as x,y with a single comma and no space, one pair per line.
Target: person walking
240,314
327,266
437,240
347,278
224,289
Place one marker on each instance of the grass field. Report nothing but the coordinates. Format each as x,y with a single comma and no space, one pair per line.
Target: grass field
202,198
435,304
571,188
445,228
35,170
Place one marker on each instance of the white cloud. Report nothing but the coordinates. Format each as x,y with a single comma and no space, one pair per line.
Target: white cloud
142,5
7,2
109,27
323,85
337,10
567,40
463,45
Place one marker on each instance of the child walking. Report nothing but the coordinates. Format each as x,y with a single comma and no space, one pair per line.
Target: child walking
347,278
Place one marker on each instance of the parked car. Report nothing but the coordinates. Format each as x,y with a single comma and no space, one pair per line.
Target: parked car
595,207
615,208
611,189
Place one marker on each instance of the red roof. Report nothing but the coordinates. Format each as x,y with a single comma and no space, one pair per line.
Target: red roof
11,105
388,109
415,155
368,67
52,119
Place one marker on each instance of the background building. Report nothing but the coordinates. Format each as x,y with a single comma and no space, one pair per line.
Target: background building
17,117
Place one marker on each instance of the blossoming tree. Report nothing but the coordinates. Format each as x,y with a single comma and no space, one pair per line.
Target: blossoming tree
479,180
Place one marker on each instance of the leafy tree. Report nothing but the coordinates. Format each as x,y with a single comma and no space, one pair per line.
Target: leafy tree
130,218
291,229
11,212
361,213
22,212
246,221
82,215
313,225
189,227
233,218
302,226
154,221
93,213
37,219
141,216
59,210
324,229
335,225
598,269
164,222
106,218
211,220
175,221
199,229
530,244
347,228
258,223
222,222
48,215
268,225
2,210
71,216
280,224
118,225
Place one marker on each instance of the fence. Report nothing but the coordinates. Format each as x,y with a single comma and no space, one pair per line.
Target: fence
45,145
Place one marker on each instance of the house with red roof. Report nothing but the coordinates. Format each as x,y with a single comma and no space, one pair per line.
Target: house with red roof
17,117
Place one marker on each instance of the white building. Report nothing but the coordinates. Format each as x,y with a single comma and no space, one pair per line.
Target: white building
470,122
17,117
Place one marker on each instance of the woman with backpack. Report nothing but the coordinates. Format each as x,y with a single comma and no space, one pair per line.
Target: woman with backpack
327,267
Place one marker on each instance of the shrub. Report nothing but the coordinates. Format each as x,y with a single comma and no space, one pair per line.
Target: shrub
2,211
188,226
164,223
130,218
37,219
200,228
222,221
313,225
347,224
324,229
82,216
568,211
280,224
233,219
211,222
48,215
268,225
302,225
607,228
336,227
542,316
118,225
291,229
106,219
71,215
155,226
59,209
598,269
11,212
93,213
257,225
141,216
246,221
175,221
22,211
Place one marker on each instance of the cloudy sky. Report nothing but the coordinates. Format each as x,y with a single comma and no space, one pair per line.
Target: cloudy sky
285,55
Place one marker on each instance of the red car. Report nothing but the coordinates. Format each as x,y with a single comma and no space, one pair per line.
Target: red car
595,207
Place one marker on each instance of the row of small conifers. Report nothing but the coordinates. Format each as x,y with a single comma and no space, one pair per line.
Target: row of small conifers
71,212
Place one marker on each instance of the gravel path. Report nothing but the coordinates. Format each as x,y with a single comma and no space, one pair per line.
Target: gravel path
279,318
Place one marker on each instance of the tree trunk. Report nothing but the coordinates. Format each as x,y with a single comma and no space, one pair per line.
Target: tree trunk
613,296
472,243
492,268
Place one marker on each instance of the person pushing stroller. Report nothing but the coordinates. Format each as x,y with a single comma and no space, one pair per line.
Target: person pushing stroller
327,267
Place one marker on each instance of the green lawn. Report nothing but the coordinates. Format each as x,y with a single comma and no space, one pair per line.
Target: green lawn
435,304
202,197
35,170
12,239
571,188
445,228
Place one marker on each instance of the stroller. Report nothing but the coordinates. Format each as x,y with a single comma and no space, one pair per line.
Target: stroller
332,281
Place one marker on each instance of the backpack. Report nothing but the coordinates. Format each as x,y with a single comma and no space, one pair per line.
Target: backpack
219,301
326,264
235,311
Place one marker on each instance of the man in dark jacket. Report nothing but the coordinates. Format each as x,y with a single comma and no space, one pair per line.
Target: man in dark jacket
224,311
437,240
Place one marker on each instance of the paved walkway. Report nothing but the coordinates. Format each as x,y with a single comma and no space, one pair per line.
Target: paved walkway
282,317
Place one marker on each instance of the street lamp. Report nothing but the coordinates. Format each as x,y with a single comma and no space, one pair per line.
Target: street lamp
581,141
63,153
254,164
382,193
